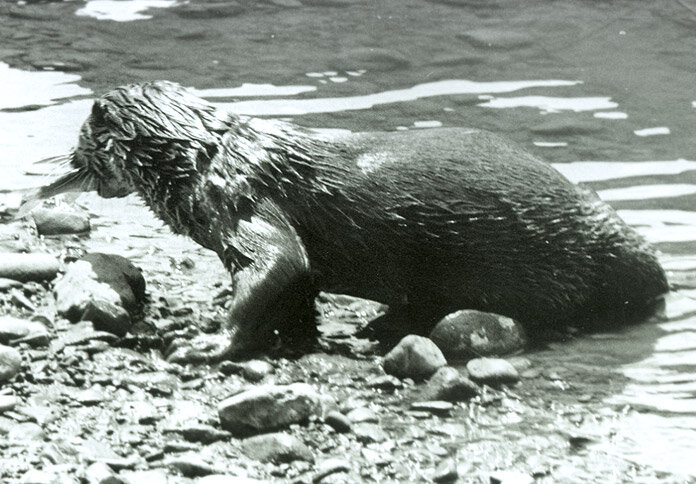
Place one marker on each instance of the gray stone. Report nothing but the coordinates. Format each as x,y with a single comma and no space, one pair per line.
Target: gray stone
57,221
338,421
28,267
10,363
369,433
330,466
437,407
414,357
268,407
510,477
154,476
446,471
6,284
14,328
277,448
449,385
24,432
98,473
492,371
256,370
190,465
362,414
107,316
205,434
467,334
8,402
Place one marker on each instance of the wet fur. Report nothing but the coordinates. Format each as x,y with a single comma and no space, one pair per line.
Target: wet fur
426,221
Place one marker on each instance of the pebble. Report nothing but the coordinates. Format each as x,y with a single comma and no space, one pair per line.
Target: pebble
191,465
449,385
10,363
58,221
362,414
413,357
256,370
466,334
25,431
338,421
385,382
154,476
446,471
14,328
8,402
492,371
28,267
330,466
90,396
369,433
268,407
277,448
107,316
98,473
435,407
205,434
6,284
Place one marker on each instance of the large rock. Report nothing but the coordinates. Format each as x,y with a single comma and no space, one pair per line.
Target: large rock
466,334
57,221
10,363
414,357
268,407
100,277
450,385
28,267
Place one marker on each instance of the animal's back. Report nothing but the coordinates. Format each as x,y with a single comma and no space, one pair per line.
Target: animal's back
460,218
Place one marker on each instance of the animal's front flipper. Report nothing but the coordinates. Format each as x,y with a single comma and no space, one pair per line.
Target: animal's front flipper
273,291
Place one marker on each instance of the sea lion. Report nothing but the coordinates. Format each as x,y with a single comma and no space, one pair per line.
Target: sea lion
427,221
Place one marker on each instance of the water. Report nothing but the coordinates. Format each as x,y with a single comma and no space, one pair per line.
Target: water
605,91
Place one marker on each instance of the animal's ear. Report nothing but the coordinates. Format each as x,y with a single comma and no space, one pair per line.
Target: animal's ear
104,114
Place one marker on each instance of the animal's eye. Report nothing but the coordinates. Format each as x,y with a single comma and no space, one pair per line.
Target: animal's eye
98,112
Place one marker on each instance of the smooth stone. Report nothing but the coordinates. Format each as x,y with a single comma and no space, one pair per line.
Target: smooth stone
449,385
492,371
154,476
446,471
98,473
59,221
205,434
277,448
413,357
435,406
8,402
28,267
25,432
107,316
268,407
362,414
10,363
99,276
369,433
339,422
6,284
12,328
330,466
467,334
384,382
190,465
256,370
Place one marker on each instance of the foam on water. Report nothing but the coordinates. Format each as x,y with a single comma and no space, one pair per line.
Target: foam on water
547,104
21,88
645,192
590,171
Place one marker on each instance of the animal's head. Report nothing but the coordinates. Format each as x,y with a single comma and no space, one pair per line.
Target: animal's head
140,138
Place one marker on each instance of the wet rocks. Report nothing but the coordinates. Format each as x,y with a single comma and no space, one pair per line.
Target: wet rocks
277,448
28,267
58,221
10,363
449,385
12,329
414,357
268,407
468,333
101,288
492,371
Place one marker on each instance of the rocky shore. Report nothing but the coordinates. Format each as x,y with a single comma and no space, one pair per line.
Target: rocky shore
87,395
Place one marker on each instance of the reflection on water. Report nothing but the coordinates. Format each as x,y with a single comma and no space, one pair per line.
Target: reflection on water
580,85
